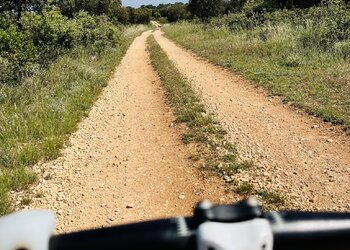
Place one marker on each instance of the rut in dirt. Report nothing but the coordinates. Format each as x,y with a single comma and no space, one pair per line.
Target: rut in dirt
300,157
126,162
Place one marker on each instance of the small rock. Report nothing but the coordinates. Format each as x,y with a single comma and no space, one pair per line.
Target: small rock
329,140
182,196
315,126
130,205
227,178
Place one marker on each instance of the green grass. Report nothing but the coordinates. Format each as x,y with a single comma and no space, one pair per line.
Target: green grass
272,56
37,116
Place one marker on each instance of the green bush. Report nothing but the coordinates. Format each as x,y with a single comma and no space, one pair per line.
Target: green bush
17,46
342,49
43,37
318,27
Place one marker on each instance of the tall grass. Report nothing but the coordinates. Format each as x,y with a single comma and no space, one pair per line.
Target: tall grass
37,116
303,56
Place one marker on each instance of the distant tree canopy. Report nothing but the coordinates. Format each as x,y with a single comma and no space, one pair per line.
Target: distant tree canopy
205,9
172,12
140,15
68,7
166,12
113,9
93,7
19,6
255,5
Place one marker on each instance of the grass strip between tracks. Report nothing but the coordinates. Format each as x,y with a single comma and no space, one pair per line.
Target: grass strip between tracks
213,149
37,116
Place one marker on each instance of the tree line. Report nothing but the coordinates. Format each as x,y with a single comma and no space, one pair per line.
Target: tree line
205,9
113,9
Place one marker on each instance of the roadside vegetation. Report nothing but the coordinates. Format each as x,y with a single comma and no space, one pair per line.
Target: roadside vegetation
214,151
295,49
52,69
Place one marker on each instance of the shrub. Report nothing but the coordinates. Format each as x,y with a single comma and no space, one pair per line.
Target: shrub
17,46
43,37
342,49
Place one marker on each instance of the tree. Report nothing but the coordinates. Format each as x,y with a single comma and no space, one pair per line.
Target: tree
140,15
119,14
289,4
234,5
205,9
176,12
93,7
19,6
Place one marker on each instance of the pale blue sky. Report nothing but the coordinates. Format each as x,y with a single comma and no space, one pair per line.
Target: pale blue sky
138,3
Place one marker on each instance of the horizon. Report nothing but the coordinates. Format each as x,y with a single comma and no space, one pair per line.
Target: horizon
138,3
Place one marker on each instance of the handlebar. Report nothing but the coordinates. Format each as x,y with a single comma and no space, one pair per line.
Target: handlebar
310,230
161,234
241,226
289,230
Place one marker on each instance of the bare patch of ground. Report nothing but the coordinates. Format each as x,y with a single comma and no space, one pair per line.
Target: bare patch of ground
126,162
301,157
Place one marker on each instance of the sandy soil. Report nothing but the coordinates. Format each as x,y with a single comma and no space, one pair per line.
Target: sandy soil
301,157
126,162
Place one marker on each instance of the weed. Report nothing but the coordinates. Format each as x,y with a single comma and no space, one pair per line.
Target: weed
271,197
244,188
26,200
39,195
244,165
195,157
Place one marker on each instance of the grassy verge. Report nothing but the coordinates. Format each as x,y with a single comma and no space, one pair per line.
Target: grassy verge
37,116
274,57
216,152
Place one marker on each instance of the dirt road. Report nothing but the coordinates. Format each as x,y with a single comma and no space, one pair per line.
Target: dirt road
301,157
126,162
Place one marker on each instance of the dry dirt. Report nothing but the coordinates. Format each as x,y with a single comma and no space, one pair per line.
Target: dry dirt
126,162
301,157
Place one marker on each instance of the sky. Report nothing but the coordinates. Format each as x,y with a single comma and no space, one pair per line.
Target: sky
138,3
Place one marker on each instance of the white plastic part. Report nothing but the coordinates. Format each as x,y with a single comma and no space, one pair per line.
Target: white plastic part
29,230
254,234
